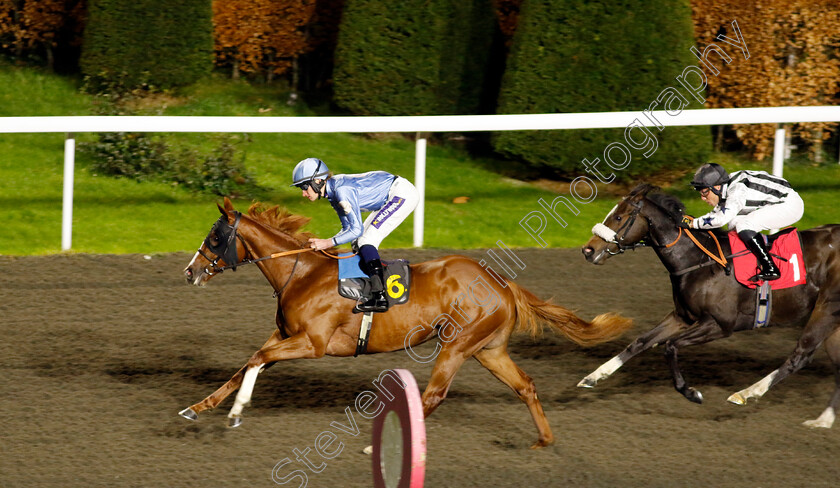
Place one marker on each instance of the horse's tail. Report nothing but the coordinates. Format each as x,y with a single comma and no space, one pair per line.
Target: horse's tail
531,311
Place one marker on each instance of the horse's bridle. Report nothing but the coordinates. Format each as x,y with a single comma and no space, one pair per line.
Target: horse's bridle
226,247
612,236
227,235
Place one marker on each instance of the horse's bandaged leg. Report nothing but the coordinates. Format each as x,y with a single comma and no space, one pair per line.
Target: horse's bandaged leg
243,396
604,371
825,420
755,391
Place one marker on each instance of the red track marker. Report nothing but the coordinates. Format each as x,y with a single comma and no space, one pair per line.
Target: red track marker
399,437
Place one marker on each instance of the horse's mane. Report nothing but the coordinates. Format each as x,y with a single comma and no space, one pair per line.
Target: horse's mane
671,205
281,219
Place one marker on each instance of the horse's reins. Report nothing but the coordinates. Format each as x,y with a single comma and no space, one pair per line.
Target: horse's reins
235,234
720,259
274,256
232,239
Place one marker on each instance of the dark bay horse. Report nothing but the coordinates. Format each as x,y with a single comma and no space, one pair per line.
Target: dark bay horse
709,304
452,293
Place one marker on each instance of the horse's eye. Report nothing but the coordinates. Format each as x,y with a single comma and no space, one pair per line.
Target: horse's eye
618,217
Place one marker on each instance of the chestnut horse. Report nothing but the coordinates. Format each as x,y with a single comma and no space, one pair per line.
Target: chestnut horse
709,304
313,320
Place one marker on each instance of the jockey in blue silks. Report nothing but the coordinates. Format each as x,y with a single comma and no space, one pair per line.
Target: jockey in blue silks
389,198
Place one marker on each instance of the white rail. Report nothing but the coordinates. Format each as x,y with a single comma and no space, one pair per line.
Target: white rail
441,123
434,123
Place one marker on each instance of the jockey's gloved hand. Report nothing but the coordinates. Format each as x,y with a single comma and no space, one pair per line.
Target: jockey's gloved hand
686,222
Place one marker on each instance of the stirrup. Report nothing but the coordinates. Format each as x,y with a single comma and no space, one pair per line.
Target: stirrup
374,304
766,276
769,276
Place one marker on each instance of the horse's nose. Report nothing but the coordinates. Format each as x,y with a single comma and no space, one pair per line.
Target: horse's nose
189,274
587,251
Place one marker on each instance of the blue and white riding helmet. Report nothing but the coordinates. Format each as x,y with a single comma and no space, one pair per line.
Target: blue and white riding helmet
307,171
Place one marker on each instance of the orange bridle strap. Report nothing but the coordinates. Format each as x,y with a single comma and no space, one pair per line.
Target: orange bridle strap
325,253
675,240
721,259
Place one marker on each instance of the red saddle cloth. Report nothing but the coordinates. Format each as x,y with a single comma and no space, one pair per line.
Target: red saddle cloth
787,244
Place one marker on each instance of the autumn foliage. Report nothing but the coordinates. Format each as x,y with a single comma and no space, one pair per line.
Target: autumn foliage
32,25
261,36
507,15
794,61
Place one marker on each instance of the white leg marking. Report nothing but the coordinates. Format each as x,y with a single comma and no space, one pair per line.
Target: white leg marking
755,391
825,420
604,371
243,396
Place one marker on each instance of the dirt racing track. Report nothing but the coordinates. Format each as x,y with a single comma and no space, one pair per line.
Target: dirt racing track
99,353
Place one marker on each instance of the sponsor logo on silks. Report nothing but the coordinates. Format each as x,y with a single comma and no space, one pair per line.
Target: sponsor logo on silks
387,211
394,287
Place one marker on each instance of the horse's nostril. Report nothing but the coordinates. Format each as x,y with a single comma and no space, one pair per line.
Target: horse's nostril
587,250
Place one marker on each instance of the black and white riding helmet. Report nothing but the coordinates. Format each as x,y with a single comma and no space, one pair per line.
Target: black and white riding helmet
709,175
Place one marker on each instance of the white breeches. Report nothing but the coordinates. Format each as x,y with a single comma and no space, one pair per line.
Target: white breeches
402,200
772,216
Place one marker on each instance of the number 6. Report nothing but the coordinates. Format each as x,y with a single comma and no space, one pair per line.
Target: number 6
395,288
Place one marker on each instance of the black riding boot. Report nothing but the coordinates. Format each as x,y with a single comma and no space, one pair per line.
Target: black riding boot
755,243
377,302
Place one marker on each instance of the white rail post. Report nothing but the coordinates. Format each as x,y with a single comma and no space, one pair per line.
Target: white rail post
779,151
420,184
67,203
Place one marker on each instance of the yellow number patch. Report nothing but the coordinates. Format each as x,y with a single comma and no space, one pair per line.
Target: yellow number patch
394,287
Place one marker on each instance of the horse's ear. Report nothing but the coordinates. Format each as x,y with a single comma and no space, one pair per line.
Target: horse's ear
641,191
227,210
228,205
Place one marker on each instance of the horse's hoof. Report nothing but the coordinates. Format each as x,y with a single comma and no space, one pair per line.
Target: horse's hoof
816,424
188,413
234,422
586,383
368,450
737,399
542,443
694,396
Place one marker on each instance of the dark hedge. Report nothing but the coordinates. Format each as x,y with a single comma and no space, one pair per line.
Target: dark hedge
413,57
598,56
132,43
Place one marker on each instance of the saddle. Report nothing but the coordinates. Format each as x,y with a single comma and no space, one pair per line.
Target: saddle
786,251
353,283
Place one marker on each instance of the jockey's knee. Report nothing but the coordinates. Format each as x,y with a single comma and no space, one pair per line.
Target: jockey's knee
746,224
368,252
